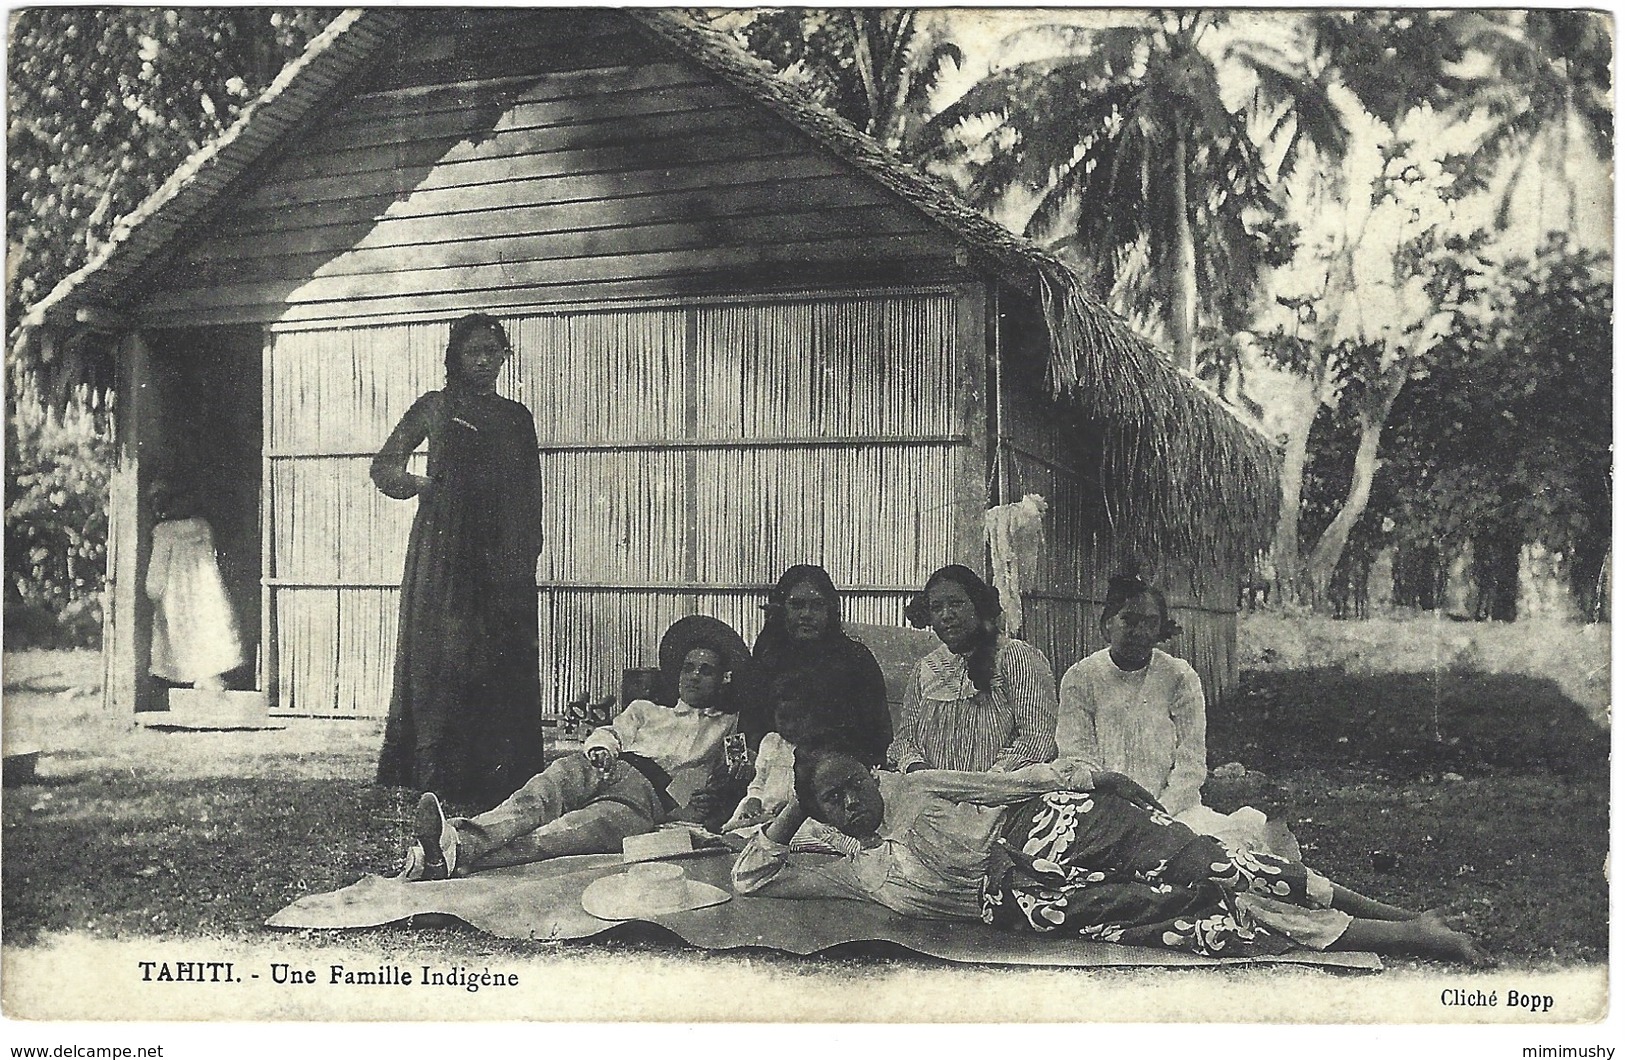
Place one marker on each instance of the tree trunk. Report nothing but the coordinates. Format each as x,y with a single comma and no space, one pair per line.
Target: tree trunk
1308,392
863,59
1418,575
1328,550
1182,313
1496,551
1284,550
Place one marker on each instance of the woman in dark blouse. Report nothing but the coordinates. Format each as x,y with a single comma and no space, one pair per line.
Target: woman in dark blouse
819,685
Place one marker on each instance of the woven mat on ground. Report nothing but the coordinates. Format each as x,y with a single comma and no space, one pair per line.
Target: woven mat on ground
543,901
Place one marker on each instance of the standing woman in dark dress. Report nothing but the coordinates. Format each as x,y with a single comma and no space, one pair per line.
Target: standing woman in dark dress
465,716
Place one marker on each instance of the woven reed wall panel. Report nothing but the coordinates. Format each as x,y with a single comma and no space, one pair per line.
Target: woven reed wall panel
342,391
1079,556
1071,525
681,446
332,525
308,665
883,515
1059,629
614,517
367,630
602,377
847,367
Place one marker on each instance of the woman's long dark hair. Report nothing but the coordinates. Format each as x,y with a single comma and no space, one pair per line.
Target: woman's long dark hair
775,639
985,599
461,329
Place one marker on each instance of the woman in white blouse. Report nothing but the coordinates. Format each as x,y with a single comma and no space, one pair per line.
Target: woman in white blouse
1134,709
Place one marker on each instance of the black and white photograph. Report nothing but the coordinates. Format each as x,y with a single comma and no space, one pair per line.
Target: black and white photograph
846,516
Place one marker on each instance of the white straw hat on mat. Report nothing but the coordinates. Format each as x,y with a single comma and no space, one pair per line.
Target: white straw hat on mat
648,889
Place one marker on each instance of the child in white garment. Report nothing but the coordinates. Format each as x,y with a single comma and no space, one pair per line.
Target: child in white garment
195,640
771,788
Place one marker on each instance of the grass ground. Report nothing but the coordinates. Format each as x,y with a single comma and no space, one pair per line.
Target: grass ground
1483,792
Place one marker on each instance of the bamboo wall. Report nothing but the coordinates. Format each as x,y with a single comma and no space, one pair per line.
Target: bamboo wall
689,452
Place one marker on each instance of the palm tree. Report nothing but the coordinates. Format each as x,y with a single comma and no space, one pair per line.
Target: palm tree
1550,74
876,67
1161,191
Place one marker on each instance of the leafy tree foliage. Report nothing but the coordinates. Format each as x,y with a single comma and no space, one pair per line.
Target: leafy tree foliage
56,478
1551,74
1356,337
875,67
1506,439
105,102
1145,180
1396,62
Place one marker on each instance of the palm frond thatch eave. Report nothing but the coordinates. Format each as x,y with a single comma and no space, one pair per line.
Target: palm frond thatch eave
1184,476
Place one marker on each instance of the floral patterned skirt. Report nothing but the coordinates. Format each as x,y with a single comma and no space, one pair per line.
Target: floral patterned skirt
1091,864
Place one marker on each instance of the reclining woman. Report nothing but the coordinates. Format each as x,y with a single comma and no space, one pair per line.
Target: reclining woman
981,701
631,776
1055,848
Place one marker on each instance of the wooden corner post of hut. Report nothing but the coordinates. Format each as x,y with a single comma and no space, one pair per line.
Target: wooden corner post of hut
127,614
976,485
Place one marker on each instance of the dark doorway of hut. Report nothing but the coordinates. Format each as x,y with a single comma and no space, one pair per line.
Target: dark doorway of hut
203,459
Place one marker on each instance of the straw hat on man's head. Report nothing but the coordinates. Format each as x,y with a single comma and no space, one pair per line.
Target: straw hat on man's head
703,631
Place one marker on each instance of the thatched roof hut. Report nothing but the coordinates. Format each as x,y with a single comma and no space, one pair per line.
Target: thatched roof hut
632,185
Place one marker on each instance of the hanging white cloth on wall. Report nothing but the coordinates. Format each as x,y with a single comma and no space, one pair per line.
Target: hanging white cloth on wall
1015,538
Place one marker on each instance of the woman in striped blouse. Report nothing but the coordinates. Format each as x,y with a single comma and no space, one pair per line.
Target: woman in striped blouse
981,701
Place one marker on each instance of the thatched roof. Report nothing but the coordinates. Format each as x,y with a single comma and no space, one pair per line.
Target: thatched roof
1185,477
332,56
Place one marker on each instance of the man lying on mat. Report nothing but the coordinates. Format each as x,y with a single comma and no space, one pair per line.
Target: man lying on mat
630,777
1055,849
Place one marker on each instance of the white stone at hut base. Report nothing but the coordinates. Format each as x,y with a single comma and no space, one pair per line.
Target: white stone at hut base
197,708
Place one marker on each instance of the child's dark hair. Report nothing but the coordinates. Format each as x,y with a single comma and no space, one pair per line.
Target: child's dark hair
1125,587
805,769
176,499
985,599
